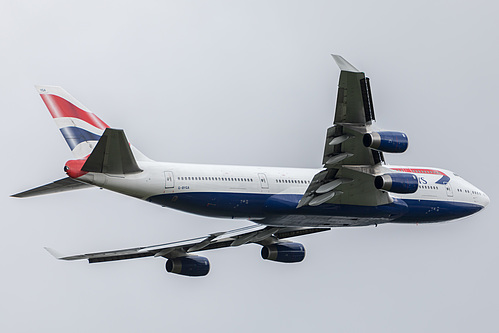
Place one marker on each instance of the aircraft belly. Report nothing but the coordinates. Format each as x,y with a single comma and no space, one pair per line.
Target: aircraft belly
215,204
429,211
278,209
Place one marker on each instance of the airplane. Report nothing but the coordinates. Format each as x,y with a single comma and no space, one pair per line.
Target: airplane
354,187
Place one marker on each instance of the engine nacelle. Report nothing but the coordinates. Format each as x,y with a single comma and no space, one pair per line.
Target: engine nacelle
189,265
284,252
388,142
397,182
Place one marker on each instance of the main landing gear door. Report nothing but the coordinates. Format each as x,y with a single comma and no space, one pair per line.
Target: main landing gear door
169,179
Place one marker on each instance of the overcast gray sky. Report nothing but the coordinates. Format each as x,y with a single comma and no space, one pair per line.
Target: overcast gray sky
247,83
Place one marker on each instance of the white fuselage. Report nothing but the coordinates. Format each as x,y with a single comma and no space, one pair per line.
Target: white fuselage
269,195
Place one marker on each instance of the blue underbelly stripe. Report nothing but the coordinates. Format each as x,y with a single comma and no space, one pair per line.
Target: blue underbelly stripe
260,205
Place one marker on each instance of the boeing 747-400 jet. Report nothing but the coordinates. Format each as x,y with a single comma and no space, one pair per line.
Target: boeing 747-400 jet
354,187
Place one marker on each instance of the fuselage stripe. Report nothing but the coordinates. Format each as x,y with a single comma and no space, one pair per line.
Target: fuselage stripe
422,171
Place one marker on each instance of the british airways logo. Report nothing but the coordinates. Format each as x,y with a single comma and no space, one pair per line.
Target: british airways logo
442,181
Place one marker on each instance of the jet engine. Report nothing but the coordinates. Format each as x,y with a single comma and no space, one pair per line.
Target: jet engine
284,252
397,182
189,265
388,142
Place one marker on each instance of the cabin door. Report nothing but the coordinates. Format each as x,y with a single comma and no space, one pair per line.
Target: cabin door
169,179
263,181
448,188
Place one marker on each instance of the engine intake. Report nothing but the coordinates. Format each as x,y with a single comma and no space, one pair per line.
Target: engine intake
284,252
388,142
397,182
188,265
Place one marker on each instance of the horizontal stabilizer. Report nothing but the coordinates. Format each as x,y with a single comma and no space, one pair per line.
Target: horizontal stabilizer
112,155
61,185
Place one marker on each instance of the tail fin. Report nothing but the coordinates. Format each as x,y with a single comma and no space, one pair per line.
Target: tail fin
80,127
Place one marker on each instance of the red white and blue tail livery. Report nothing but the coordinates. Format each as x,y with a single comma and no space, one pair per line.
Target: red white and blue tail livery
80,127
354,187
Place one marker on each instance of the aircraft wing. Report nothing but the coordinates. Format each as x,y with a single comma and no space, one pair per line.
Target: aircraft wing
350,167
251,234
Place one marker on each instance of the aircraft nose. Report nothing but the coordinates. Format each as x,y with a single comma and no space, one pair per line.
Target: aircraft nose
486,200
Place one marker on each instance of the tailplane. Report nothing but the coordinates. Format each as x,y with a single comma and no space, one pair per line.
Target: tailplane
61,185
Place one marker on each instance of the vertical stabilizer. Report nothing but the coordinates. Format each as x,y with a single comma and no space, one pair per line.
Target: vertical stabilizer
79,126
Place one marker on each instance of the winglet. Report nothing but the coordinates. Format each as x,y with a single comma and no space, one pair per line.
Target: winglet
59,256
344,65
53,252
